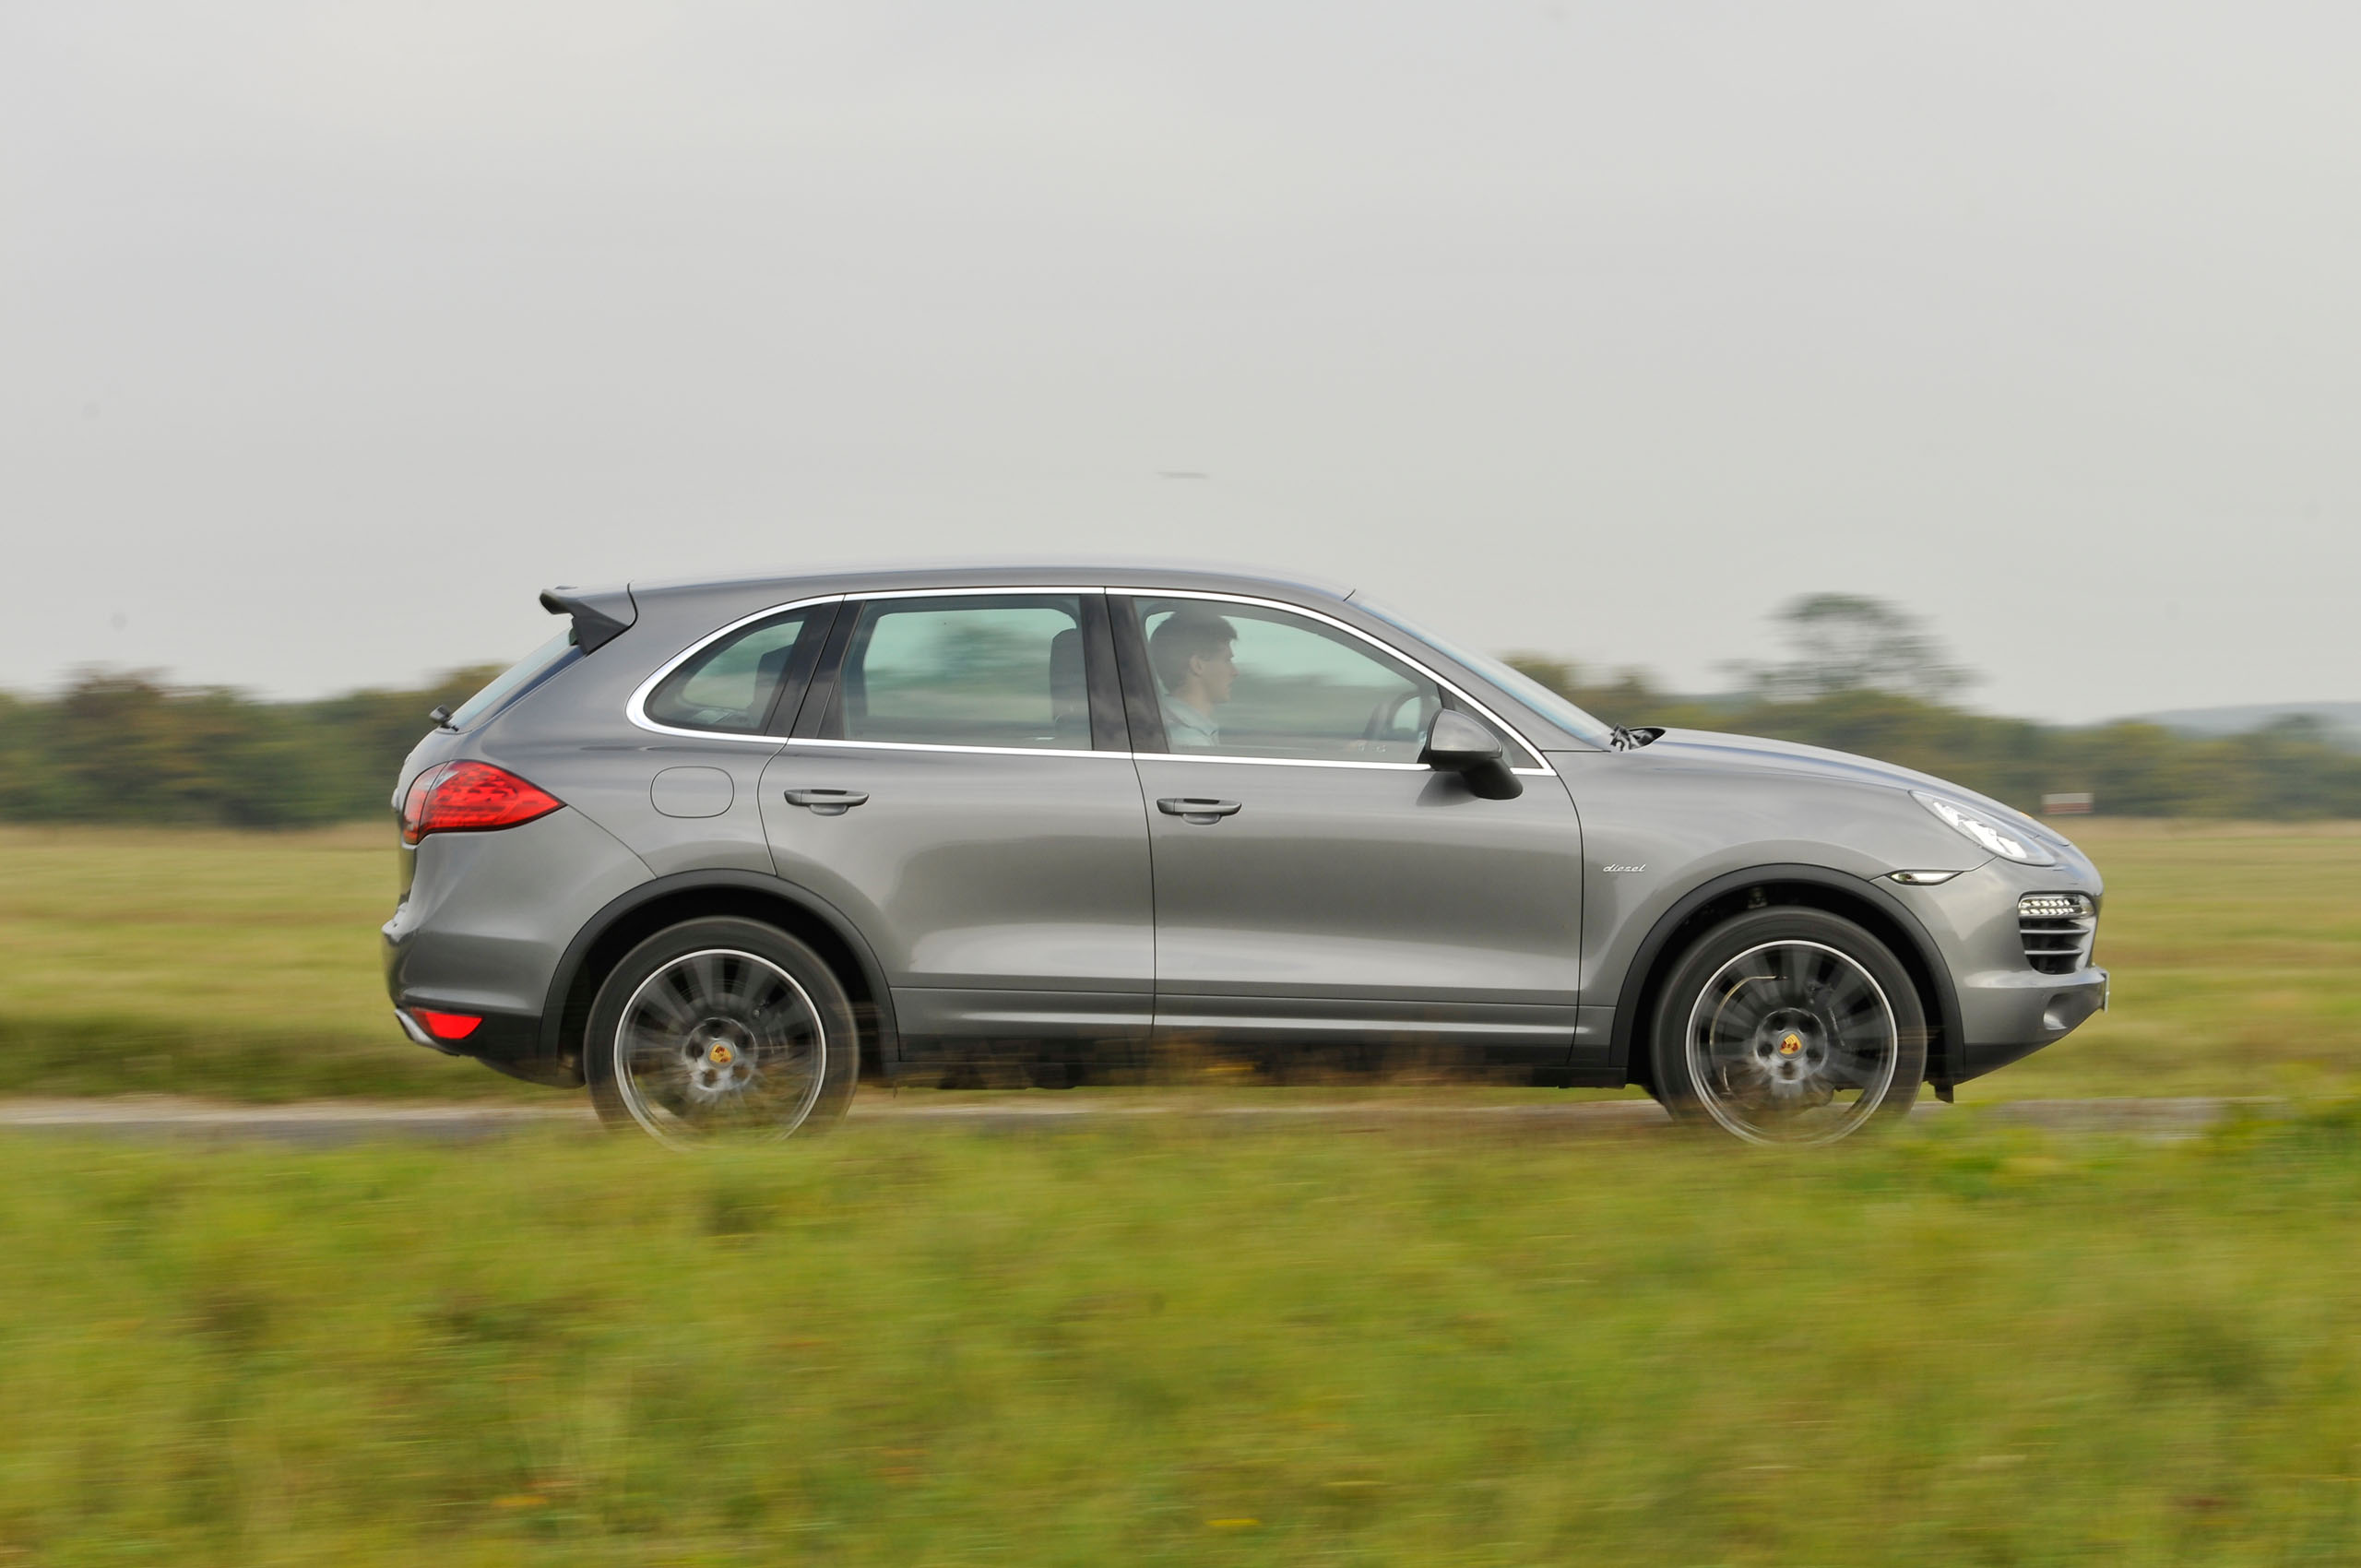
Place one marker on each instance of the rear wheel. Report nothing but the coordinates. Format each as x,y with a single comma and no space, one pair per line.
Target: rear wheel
1790,1026
721,1029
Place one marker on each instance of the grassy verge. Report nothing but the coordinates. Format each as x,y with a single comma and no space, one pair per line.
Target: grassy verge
204,961
245,966
1182,1345
2235,950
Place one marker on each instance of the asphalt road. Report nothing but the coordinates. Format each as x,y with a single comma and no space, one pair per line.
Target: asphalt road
333,1122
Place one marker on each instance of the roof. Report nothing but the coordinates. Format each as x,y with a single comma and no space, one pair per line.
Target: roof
1012,570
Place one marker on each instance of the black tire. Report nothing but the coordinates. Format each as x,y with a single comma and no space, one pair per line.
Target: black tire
1772,1019
721,1027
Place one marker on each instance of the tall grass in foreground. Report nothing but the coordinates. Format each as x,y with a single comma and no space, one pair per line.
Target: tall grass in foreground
1181,1343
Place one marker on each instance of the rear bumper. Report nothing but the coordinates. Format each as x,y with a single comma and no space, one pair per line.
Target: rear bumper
506,1043
500,1037
481,927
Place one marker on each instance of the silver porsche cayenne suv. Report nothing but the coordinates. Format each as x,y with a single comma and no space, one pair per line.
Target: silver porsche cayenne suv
720,849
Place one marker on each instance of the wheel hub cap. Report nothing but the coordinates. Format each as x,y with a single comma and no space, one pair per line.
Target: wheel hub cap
720,1053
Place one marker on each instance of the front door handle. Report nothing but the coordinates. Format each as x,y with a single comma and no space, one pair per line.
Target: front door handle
826,802
1197,809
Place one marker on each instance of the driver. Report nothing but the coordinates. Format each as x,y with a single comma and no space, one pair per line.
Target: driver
1190,655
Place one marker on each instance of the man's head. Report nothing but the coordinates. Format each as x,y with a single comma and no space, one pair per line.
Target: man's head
1190,652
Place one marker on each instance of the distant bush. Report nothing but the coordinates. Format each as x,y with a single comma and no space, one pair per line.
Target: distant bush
127,747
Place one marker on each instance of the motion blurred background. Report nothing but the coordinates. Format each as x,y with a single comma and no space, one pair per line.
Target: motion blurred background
1968,386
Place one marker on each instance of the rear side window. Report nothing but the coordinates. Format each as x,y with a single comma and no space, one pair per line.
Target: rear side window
525,672
967,671
732,684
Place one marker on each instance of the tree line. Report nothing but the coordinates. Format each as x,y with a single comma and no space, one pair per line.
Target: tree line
132,748
1864,676
2289,769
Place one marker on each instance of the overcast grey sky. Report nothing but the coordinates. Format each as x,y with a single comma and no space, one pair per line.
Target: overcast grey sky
330,334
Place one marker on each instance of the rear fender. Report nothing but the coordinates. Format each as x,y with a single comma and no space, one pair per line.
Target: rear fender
710,891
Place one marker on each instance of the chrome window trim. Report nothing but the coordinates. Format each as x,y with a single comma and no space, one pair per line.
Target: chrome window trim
947,746
969,593
1544,771
1120,756
1286,761
637,712
636,707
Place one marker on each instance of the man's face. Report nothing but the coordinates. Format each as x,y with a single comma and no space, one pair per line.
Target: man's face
1217,674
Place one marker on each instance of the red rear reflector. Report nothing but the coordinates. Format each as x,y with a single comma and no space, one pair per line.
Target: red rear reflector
445,1026
470,797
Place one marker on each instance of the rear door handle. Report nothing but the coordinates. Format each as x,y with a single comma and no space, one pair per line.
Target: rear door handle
826,802
1197,809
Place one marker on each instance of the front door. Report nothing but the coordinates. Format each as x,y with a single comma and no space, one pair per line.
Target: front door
957,787
1315,883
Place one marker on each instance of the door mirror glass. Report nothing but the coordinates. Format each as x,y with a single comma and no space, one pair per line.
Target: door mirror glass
1459,744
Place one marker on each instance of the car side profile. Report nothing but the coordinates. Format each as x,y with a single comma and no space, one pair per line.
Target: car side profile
722,849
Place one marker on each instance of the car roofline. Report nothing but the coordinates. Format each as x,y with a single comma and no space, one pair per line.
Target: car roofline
920,576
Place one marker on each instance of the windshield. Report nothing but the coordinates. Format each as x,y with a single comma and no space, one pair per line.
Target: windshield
1515,682
521,674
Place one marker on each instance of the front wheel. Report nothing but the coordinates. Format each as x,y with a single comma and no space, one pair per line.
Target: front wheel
1789,1025
721,1027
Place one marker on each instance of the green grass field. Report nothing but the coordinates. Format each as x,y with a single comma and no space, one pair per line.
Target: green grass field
1179,1343
245,966
208,962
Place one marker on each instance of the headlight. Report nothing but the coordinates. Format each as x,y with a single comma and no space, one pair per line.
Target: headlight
2008,842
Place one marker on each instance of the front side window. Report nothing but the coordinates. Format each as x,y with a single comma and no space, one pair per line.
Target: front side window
967,671
1241,679
1550,704
731,686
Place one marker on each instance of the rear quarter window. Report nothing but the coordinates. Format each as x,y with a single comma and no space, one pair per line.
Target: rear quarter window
732,684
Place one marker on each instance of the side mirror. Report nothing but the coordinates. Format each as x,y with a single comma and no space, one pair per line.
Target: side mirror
1458,744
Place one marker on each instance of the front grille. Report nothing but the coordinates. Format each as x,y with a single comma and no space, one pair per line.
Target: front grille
2058,929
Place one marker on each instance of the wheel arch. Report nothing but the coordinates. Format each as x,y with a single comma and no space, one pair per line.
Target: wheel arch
1836,892
629,920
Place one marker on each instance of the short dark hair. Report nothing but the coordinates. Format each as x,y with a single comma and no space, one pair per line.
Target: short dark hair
1186,635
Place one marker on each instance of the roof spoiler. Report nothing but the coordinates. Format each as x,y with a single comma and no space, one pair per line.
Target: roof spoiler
598,617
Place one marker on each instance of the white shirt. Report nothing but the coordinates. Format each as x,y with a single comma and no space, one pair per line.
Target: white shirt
1187,730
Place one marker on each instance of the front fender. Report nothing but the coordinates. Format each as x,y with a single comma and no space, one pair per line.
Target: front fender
1900,925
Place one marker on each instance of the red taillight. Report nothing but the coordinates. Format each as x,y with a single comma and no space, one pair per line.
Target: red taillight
414,803
469,796
445,1026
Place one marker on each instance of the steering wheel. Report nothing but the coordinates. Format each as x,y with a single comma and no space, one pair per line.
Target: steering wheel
1382,718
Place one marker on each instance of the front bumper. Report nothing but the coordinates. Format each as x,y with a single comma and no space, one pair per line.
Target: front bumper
2006,1008
2017,1013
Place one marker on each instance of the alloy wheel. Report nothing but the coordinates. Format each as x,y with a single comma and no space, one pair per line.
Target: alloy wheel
1791,1042
719,1043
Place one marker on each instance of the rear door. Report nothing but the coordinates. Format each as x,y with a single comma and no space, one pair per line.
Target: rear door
959,785
1313,881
